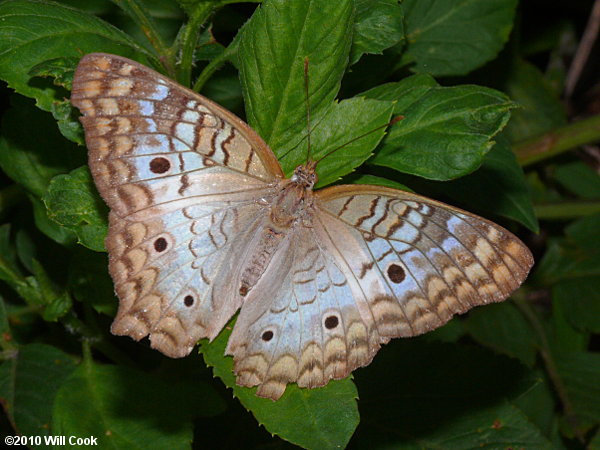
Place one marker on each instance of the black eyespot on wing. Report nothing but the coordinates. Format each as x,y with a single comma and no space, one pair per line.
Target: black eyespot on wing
160,165
188,300
396,273
331,322
160,245
267,336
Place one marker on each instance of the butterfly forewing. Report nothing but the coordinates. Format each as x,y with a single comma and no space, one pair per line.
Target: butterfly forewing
181,176
202,223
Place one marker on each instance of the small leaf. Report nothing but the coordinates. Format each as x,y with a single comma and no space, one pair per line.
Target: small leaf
72,202
453,37
29,381
48,226
574,257
322,418
540,109
379,24
56,301
61,70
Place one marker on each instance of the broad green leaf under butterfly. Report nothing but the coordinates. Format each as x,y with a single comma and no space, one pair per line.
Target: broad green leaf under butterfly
329,416
322,279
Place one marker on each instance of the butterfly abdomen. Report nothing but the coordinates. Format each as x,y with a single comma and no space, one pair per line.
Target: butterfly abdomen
267,246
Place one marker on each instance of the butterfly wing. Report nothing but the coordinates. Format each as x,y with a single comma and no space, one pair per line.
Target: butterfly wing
374,264
182,177
417,261
300,323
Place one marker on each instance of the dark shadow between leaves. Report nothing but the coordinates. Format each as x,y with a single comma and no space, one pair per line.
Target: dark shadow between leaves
413,388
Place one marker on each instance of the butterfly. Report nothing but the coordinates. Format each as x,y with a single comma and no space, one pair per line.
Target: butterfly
203,222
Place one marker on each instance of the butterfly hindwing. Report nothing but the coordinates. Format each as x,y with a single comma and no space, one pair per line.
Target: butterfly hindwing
302,323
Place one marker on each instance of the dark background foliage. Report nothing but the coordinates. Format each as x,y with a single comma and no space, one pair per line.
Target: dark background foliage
501,107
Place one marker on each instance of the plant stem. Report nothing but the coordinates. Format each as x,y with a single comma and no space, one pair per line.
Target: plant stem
558,141
137,12
547,357
566,210
213,66
190,39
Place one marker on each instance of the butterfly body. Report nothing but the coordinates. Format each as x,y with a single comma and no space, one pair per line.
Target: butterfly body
203,223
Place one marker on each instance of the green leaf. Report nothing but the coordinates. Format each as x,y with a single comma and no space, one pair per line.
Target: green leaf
372,179
48,226
579,299
445,133
503,328
10,271
453,37
37,290
61,70
271,58
343,122
379,24
576,256
72,202
35,32
571,266
29,381
580,373
4,326
127,408
90,283
32,159
540,108
579,178
56,301
322,418
405,92
226,91
538,403
499,185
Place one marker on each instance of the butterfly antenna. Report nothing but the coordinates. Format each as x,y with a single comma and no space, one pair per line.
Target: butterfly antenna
391,122
307,107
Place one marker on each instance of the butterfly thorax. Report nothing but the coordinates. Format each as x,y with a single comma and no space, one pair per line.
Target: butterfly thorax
290,207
